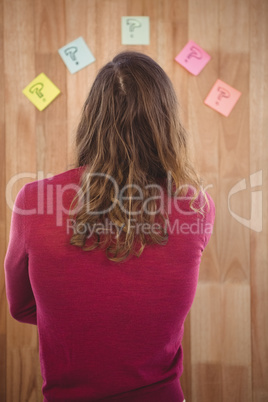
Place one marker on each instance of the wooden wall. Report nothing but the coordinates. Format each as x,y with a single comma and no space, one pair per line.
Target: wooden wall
226,333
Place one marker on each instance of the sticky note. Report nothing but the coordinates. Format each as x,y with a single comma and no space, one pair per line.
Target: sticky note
41,91
193,58
76,55
135,30
222,97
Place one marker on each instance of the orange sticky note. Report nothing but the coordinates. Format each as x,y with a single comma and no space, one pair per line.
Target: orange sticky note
222,97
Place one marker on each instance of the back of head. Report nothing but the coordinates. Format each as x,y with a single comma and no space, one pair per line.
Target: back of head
129,134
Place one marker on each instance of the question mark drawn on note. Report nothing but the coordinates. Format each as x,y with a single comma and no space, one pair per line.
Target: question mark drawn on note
133,23
70,51
223,93
195,52
37,88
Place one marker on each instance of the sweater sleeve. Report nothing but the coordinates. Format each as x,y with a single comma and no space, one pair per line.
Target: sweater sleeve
18,287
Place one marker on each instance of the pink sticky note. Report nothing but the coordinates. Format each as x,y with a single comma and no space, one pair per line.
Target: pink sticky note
222,97
193,58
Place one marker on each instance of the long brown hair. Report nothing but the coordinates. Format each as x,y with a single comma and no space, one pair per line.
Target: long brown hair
129,137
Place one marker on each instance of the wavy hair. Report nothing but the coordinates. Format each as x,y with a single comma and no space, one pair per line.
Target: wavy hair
128,140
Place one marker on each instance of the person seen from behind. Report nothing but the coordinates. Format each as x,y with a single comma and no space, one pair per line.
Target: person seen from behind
104,258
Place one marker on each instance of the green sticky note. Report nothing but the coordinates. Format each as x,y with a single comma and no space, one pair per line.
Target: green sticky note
135,30
41,91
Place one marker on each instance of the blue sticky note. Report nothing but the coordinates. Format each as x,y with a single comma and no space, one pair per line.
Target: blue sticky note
76,55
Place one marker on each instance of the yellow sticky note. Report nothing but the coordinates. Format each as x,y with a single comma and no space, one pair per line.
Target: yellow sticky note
41,91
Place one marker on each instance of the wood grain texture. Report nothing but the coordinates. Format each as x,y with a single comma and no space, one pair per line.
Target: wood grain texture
234,165
225,341
259,161
51,124
204,127
3,329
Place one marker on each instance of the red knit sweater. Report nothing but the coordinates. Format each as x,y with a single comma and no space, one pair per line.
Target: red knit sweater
107,331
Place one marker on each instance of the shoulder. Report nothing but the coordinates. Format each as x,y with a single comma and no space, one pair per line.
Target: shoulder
68,177
205,206
30,193
191,203
194,213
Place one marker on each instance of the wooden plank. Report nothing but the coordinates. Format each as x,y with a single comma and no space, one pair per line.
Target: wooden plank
234,166
203,121
206,327
236,342
236,383
204,129
206,347
81,20
208,381
259,161
51,124
3,329
22,346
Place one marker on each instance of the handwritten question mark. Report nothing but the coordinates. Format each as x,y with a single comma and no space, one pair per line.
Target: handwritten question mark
223,93
70,51
195,52
37,89
133,23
